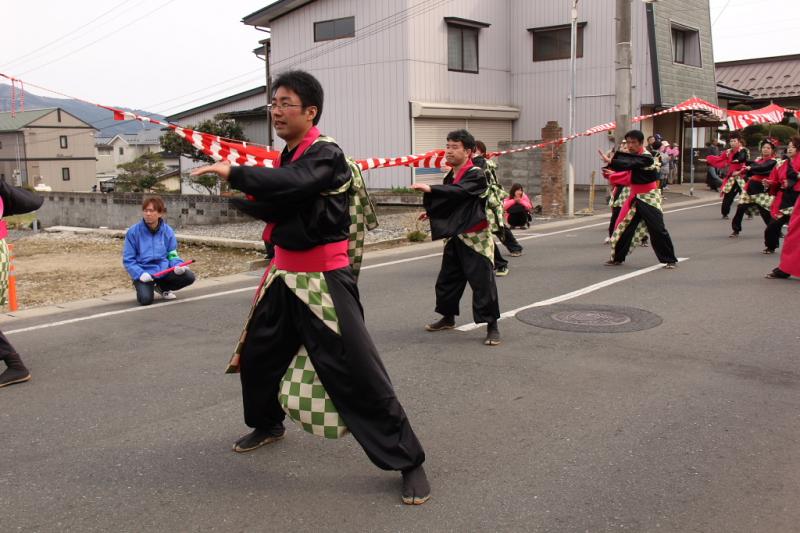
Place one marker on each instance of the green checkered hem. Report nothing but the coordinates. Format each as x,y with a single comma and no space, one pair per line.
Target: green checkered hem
481,242
728,187
653,199
752,202
305,400
5,267
623,197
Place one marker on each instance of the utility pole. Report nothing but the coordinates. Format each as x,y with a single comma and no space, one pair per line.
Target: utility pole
622,100
573,52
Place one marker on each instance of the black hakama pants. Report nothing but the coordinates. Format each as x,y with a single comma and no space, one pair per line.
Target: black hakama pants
728,198
772,235
461,265
659,236
348,366
736,223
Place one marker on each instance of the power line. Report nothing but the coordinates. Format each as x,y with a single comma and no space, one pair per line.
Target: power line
114,32
64,36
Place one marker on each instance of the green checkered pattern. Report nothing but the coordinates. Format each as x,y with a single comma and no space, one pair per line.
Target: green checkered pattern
623,197
653,199
788,211
306,401
753,201
494,195
481,242
312,289
5,266
729,184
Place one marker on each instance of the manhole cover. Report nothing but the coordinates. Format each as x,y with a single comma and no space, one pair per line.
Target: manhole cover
590,318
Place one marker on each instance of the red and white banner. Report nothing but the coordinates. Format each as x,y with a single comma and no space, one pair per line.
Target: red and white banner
249,154
770,114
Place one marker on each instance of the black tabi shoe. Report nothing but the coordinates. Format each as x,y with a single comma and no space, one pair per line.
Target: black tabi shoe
492,334
515,254
671,266
258,438
416,489
777,273
16,371
12,376
767,251
733,235
446,322
612,263
724,217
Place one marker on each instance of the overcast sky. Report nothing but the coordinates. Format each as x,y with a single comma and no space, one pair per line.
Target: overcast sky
168,55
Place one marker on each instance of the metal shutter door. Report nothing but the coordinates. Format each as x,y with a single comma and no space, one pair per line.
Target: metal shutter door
490,132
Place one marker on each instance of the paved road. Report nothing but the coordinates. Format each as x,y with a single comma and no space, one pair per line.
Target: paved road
689,426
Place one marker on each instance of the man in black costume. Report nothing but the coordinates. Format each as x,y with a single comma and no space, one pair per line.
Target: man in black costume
457,212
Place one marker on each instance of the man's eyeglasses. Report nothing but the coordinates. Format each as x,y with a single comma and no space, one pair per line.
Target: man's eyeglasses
283,107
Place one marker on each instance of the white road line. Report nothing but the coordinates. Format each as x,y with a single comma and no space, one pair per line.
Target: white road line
234,291
127,310
573,294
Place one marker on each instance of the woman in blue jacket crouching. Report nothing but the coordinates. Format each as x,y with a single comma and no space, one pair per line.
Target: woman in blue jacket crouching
150,247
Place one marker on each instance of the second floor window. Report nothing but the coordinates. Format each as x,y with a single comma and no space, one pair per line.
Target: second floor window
329,30
65,174
686,46
553,42
62,141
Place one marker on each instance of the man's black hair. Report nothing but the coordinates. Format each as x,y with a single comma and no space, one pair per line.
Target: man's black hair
464,137
306,86
635,135
735,135
657,145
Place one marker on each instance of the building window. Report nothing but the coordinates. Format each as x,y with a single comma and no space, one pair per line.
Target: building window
62,140
121,151
462,44
686,46
329,30
65,174
553,42
58,113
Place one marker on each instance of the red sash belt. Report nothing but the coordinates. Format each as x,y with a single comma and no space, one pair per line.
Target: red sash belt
636,188
323,258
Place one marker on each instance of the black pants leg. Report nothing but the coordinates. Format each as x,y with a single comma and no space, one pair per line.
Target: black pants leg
660,240
348,366
736,223
6,348
623,245
613,222
500,262
509,241
766,216
462,265
174,282
772,235
727,200
144,292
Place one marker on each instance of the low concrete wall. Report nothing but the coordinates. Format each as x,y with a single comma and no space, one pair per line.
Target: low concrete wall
120,210
520,167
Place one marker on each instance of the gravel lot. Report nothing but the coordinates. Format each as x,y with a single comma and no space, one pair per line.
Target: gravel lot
54,268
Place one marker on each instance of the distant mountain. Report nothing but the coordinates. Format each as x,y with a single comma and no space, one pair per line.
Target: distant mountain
101,119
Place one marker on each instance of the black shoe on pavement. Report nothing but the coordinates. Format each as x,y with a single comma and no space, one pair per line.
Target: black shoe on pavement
258,438
516,253
767,251
612,263
671,266
500,272
16,371
733,235
777,273
416,489
492,334
446,322
724,217
12,376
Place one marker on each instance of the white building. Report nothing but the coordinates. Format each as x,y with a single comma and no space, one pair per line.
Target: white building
124,148
399,74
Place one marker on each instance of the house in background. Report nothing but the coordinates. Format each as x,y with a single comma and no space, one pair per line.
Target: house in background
247,108
765,80
399,75
124,148
47,146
